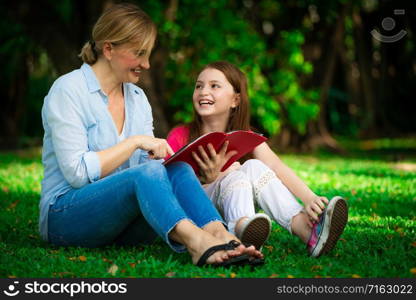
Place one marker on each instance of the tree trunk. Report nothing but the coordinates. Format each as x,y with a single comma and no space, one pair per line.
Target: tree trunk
318,134
365,65
63,41
14,106
322,136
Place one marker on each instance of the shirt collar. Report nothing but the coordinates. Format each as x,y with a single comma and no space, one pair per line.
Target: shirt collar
92,81
94,85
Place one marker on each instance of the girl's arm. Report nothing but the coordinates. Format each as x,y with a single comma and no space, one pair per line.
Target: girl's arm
313,204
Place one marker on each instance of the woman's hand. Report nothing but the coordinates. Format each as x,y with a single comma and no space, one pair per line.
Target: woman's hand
157,148
315,207
210,165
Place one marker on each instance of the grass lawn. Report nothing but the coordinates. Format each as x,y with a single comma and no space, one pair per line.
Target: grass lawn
379,240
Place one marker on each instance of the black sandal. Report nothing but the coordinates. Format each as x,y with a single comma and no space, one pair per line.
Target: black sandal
254,262
233,261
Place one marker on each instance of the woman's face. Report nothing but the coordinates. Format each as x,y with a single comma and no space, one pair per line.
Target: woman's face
213,94
127,61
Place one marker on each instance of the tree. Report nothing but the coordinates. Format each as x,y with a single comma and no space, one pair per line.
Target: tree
313,68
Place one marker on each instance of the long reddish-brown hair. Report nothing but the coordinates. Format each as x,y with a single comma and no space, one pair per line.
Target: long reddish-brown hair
240,115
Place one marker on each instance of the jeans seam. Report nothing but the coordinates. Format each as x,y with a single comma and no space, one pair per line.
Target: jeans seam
74,201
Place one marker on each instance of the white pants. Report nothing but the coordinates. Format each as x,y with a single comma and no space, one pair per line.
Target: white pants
234,195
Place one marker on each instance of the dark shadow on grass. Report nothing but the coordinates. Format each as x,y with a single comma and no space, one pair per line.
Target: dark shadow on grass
386,155
383,173
7,159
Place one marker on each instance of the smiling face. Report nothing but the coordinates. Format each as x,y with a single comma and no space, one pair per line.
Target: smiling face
127,61
214,95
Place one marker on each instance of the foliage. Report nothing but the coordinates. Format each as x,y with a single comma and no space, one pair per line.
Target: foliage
283,48
381,228
301,104
27,75
193,40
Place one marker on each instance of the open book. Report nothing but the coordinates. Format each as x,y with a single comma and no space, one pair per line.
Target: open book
241,141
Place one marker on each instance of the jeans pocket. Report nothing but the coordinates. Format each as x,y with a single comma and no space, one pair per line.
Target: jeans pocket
61,203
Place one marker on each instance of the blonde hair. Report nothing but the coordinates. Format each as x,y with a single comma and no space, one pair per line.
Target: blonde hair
121,23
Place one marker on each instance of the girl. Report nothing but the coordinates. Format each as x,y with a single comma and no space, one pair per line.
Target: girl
220,101
100,184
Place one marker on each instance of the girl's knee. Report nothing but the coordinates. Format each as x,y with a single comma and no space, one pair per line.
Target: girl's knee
254,165
236,177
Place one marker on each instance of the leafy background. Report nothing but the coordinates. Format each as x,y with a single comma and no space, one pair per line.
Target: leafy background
315,72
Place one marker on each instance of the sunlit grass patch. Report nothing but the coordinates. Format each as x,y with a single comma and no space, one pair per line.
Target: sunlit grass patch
379,240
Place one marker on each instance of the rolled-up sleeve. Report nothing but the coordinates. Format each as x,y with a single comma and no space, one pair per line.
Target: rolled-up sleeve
92,163
148,123
69,132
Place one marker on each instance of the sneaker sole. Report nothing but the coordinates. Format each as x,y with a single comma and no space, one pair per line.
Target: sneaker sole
338,217
256,232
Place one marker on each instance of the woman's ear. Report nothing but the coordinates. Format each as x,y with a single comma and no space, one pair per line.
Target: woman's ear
108,50
236,101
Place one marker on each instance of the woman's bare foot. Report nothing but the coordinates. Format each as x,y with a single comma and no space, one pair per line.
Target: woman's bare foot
197,241
205,241
218,230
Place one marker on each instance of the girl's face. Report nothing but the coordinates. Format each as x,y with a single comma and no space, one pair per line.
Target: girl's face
127,61
213,94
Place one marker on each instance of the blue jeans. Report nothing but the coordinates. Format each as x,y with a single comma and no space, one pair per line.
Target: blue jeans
131,207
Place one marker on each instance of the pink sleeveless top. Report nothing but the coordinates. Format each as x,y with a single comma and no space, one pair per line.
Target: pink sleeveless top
178,137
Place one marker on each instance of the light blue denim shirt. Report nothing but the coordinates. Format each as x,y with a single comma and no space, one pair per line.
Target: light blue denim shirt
77,125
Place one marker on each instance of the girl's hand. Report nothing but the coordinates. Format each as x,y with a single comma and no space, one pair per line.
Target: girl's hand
210,165
315,207
157,148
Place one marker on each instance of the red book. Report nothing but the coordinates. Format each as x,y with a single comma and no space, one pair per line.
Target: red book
241,141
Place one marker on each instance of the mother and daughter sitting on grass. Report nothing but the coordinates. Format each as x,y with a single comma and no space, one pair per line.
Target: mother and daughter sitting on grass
104,182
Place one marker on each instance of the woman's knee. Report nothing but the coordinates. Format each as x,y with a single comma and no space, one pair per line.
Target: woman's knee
150,168
147,173
180,172
180,166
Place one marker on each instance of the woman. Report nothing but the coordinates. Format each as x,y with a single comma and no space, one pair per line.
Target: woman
101,183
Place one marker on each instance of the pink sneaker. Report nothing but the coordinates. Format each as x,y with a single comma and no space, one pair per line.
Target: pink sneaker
327,231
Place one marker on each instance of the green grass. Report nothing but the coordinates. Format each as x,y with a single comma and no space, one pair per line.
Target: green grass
379,240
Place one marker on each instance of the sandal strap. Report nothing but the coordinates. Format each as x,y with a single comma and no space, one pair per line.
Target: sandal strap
231,245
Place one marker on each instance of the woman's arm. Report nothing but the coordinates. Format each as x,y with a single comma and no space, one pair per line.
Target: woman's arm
65,117
314,204
113,157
